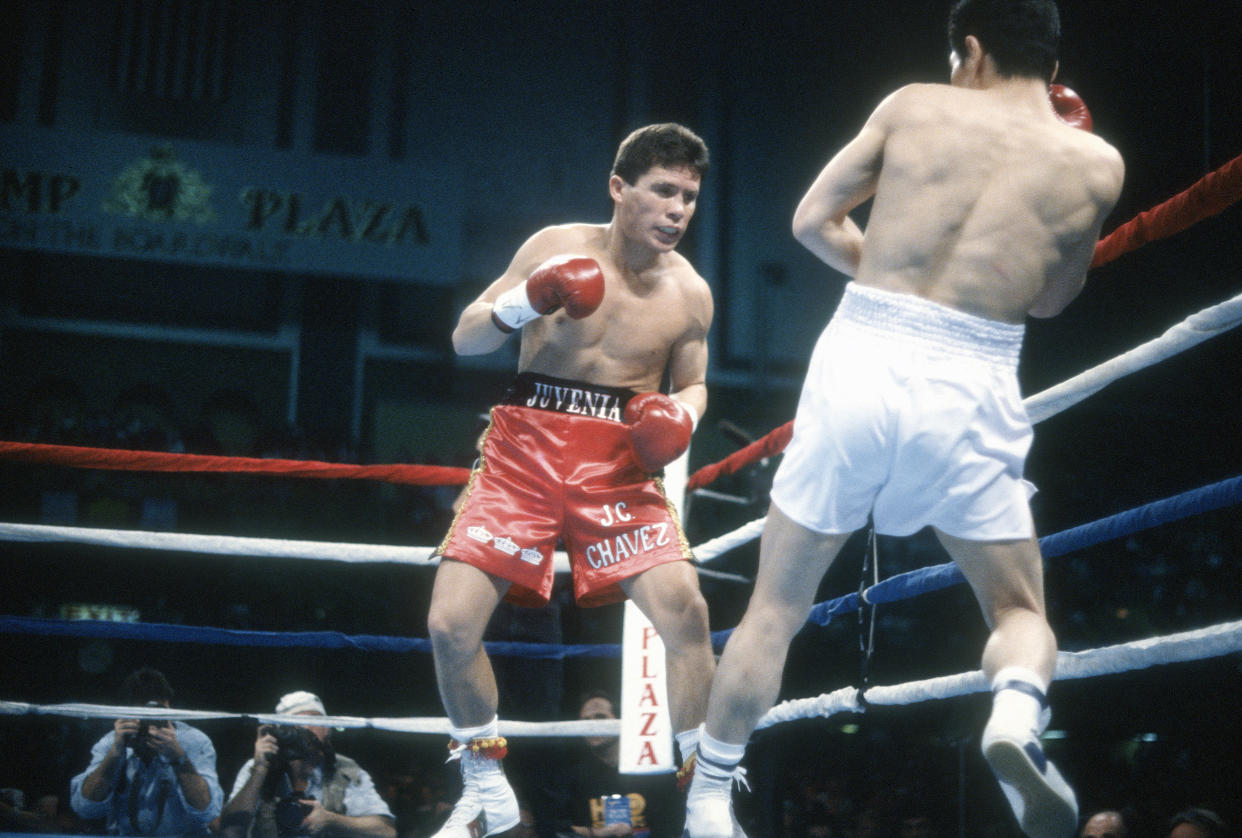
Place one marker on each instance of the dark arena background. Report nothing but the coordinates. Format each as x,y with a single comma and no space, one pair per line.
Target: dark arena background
243,228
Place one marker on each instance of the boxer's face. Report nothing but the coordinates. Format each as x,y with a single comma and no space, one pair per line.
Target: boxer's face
656,209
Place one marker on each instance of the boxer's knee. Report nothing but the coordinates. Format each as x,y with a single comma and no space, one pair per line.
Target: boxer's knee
772,621
692,618
448,628
458,614
683,613
668,594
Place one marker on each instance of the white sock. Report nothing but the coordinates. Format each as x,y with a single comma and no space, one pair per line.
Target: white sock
717,759
687,743
1020,673
486,731
1014,709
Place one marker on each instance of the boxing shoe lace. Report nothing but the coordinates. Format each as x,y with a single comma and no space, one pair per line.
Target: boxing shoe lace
487,805
1039,796
709,805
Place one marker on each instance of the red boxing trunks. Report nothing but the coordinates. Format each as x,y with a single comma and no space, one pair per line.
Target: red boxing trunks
555,465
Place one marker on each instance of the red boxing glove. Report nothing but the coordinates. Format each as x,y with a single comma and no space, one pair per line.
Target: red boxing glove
574,282
660,429
1069,107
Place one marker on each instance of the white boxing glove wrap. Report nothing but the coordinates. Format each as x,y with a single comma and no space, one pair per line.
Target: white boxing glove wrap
513,308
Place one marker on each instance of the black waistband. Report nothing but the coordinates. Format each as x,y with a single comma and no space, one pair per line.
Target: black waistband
543,392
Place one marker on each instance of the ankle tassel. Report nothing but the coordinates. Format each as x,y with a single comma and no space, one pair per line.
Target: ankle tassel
686,773
496,747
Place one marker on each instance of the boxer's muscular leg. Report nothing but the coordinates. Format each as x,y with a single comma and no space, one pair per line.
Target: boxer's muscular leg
1018,660
668,594
1008,580
462,601
792,561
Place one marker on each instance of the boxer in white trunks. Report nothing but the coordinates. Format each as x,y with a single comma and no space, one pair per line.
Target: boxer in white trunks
987,202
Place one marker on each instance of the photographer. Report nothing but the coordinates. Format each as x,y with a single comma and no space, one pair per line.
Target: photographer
297,784
149,777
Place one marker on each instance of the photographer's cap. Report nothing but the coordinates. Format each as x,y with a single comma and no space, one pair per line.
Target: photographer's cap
300,702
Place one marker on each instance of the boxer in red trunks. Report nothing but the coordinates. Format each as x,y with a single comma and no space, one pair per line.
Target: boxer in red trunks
574,452
614,519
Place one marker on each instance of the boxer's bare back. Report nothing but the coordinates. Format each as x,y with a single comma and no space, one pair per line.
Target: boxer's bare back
984,200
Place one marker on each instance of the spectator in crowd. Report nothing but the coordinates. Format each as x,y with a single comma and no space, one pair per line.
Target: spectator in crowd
915,824
64,821
1197,822
586,798
15,817
149,776
144,418
42,817
297,784
1105,823
54,413
820,826
229,424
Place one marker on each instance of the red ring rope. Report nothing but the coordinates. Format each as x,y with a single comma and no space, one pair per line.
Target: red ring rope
1208,196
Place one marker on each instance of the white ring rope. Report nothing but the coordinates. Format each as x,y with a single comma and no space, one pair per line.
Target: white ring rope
1193,330
232,545
1213,641
1198,327
1198,644
439,726
224,545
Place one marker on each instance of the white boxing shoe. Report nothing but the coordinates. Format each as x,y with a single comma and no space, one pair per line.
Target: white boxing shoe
709,806
1041,799
487,805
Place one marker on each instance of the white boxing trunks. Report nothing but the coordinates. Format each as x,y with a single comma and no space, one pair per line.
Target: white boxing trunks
910,413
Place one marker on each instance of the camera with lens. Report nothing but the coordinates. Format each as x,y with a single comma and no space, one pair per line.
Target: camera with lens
141,741
295,742
290,812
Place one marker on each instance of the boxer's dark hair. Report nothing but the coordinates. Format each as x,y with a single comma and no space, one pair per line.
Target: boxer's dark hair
1022,36
664,144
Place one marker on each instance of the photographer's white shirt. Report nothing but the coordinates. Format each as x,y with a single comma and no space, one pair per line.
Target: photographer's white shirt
361,798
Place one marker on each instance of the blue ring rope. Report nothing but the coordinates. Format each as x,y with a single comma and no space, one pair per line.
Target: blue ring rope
924,580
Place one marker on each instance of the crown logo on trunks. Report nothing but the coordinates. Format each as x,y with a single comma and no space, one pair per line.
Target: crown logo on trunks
479,534
531,556
506,545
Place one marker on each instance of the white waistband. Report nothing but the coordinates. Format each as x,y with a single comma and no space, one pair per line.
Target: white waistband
936,325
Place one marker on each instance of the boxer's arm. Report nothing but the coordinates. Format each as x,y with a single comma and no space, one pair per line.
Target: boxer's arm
476,332
822,223
687,365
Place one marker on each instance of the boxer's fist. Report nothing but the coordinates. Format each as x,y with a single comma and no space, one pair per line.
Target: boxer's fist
1069,107
575,283
660,429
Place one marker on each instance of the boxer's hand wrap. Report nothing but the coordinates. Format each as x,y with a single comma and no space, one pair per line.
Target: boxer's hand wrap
573,282
1069,107
660,429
